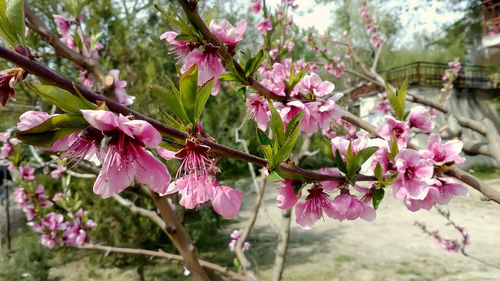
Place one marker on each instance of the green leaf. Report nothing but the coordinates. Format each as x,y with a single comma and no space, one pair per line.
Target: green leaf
188,87
378,172
172,101
361,158
263,138
202,97
5,29
297,187
397,100
171,121
298,77
228,76
275,177
276,124
53,129
294,125
291,134
212,14
393,146
242,92
377,196
340,162
179,22
186,37
61,98
268,151
390,180
253,64
15,16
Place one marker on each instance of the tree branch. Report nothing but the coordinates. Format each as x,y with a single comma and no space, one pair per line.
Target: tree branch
38,26
140,211
160,254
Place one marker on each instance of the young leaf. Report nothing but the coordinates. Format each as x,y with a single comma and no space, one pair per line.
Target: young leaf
242,92
173,102
188,87
340,162
377,196
170,120
276,124
202,97
298,77
291,134
61,98
361,158
297,187
15,15
53,129
5,29
394,149
275,177
253,64
186,37
378,172
263,138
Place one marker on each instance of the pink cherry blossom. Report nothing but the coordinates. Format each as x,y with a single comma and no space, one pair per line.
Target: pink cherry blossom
311,210
329,110
264,26
227,201
309,123
5,150
256,6
349,207
414,174
440,191
63,24
9,79
384,107
27,173
381,158
288,45
440,154
330,185
124,157
209,66
419,118
57,173
287,197
179,48
258,109
69,41
392,126
85,80
312,83
227,33
119,87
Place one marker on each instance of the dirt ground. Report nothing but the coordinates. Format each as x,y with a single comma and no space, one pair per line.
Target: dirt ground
389,248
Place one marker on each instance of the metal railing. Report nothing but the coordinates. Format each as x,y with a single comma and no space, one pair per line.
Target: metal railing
431,74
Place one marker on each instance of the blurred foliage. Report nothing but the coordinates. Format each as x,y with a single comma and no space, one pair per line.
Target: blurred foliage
29,261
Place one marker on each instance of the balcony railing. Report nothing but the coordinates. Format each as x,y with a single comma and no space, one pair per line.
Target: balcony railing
491,17
431,74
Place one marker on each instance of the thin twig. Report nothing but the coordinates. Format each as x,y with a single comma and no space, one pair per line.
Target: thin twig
160,254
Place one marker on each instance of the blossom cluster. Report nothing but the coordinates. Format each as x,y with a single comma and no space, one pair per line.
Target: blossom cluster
450,245
8,144
376,37
43,215
235,236
304,97
196,181
205,56
449,76
343,206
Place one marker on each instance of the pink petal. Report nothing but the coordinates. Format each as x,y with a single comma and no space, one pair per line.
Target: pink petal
151,172
227,202
144,132
101,119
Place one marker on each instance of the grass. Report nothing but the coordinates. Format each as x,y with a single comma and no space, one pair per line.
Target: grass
485,172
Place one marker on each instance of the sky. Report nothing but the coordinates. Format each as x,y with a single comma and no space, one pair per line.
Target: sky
417,15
